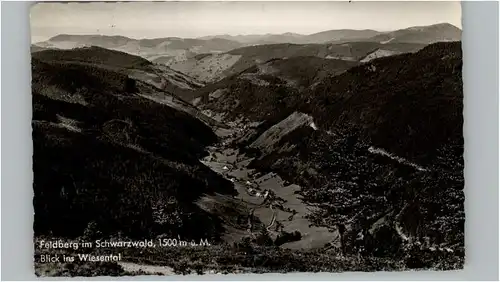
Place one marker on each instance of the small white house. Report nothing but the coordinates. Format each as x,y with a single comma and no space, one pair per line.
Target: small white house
266,194
313,125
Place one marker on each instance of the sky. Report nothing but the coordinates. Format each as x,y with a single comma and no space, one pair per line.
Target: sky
196,19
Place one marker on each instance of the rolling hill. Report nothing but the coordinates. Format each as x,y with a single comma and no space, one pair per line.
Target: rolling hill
159,76
421,34
212,58
345,35
355,45
213,67
258,91
417,34
35,48
397,89
315,38
95,55
178,48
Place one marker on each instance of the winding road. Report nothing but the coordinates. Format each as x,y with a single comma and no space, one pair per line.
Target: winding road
273,219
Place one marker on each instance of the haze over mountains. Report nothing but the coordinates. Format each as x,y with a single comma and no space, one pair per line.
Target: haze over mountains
320,37
262,144
223,43
225,55
420,34
437,32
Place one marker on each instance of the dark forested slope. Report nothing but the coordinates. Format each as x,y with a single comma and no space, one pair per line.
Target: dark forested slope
269,88
385,157
408,104
94,55
214,67
109,161
137,67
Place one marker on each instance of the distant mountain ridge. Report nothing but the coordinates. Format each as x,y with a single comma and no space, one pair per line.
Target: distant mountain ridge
176,46
320,37
172,47
422,34
212,58
213,67
432,34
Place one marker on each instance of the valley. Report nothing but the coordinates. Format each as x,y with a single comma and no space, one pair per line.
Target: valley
267,196
338,151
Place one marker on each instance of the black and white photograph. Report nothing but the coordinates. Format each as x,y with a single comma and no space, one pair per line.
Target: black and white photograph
194,138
